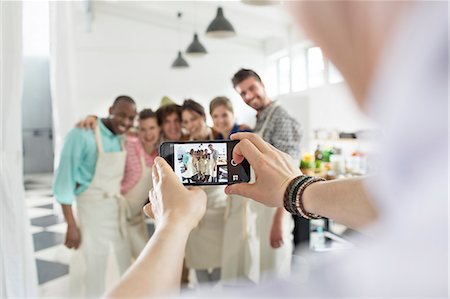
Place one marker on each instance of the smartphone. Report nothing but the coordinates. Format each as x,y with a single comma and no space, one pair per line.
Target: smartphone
205,162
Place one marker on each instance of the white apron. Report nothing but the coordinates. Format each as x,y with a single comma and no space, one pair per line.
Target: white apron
101,214
136,197
204,246
247,254
277,261
241,248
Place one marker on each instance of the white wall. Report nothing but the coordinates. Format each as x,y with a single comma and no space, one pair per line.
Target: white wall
124,56
330,107
333,107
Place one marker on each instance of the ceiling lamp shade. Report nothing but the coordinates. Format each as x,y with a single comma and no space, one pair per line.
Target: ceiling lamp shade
180,62
196,48
220,26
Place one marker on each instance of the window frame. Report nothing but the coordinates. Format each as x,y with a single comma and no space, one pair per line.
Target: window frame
295,51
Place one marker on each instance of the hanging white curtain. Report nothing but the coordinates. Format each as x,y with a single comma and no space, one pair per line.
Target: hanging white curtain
17,266
61,72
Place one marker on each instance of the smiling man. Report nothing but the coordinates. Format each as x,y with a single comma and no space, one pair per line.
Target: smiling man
90,172
273,122
277,127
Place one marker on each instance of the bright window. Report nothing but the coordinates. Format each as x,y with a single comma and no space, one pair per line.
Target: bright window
271,80
308,69
284,69
35,28
299,72
316,68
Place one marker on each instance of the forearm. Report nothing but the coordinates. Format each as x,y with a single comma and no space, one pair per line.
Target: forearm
68,215
345,201
157,271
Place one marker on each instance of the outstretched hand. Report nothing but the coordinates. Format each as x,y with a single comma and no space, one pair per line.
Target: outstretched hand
273,169
171,202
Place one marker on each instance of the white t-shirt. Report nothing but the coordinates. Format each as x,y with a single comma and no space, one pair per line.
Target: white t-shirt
408,256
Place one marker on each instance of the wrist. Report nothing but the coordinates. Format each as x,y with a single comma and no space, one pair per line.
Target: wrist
277,223
294,196
174,226
71,224
278,217
308,198
176,222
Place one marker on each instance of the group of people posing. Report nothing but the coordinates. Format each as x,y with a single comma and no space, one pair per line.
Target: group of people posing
201,165
105,168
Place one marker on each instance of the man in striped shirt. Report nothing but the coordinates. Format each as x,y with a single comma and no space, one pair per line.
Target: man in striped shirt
276,127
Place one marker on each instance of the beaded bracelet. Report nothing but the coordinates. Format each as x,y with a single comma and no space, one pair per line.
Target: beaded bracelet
290,192
293,202
294,190
299,199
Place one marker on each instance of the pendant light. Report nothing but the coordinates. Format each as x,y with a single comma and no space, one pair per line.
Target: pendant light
220,26
196,48
179,62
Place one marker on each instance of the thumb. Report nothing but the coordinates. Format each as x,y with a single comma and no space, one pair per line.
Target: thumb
162,167
243,189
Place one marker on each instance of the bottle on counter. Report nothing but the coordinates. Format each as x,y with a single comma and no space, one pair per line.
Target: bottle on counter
318,155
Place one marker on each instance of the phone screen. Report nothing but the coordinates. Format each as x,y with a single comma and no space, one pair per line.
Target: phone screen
205,162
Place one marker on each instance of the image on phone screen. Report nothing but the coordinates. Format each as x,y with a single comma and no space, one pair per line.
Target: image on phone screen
205,162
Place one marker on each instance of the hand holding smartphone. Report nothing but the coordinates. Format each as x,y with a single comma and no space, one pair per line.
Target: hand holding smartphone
205,162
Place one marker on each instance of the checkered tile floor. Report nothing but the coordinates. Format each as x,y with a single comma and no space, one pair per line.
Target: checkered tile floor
48,228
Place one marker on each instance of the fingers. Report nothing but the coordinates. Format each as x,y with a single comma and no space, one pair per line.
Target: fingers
276,243
68,244
87,124
243,189
246,149
253,138
148,210
82,125
72,244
